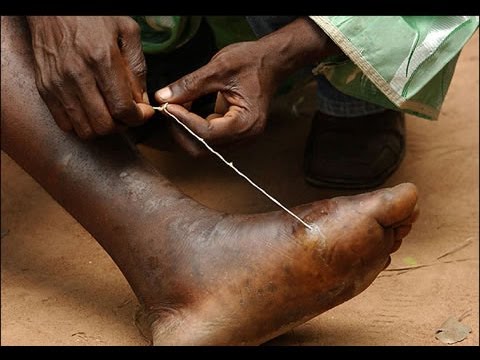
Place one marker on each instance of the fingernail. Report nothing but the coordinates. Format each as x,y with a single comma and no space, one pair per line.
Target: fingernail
145,98
164,93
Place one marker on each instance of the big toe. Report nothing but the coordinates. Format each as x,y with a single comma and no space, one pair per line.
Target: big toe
391,206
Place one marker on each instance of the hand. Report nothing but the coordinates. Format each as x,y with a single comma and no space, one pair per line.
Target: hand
245,75
90,71
241,76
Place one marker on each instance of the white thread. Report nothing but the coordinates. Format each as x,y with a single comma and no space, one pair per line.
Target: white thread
164,109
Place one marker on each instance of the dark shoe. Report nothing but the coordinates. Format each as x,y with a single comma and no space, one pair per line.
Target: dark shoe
354,153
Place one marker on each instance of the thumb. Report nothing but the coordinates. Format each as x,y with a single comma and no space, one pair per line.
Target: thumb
192,86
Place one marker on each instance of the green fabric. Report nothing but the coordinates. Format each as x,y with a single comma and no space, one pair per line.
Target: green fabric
163,34
400,62
230,29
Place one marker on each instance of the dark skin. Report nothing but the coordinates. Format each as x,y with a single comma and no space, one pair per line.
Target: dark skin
90,71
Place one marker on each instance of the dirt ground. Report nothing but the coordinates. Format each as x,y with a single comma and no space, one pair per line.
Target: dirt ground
59,287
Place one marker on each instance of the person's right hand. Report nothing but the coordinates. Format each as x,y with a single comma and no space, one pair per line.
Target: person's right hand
90,71
245,76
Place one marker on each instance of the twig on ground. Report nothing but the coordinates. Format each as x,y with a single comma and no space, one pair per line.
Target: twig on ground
457,248
405,269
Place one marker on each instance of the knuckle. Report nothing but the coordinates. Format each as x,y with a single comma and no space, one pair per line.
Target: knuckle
188,83
73,73
222,60
99,55
223,63
88,133
72,109
132,28
218,57
223,54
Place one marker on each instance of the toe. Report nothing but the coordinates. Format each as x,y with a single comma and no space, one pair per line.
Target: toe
393,205
402,231
396,246
409,220
387,263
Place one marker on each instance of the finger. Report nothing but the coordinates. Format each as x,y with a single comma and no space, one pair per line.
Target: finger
95,108
77,116
201,82
55,107
115,86
65,94
221,104
131,49
218,130
59,114
147,110
66,108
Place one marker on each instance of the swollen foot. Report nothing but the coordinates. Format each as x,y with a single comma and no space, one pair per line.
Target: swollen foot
251,278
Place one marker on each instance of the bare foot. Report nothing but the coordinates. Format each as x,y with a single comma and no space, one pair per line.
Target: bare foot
251,278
